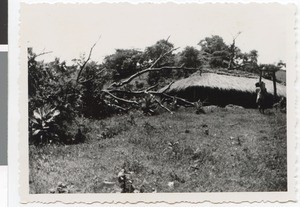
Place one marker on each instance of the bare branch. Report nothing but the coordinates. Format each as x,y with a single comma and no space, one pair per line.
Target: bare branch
86,80
150,88
162,55
183,101
43,53
120,99
167,88
180,99
168,38
119,107
161,105
128,80
236,36
126,92
85,62
132,92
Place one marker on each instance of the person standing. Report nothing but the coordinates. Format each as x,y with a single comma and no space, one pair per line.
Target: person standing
261,92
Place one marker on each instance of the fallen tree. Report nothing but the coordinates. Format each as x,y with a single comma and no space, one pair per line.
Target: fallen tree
114,94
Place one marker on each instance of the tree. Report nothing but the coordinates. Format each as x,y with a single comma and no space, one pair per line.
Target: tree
253,55
216,50
249,61
153,53
52,88
212,44
144,98
189,57
95,76
232,52
124,62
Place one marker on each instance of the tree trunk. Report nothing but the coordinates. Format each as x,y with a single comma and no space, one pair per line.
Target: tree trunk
274,85
260,75
232,54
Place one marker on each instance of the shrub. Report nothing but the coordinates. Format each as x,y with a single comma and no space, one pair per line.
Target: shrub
42,124
149,106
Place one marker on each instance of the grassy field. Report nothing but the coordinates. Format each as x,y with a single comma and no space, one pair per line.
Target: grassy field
225,150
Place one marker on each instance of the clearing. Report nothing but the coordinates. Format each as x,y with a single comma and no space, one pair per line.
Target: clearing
225,150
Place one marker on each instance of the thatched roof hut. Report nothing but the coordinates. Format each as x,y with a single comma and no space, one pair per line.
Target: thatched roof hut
223,89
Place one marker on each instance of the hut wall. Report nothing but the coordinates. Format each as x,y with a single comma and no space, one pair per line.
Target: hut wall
220,97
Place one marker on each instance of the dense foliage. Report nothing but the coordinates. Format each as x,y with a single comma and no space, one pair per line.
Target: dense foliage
124,63
154,52
60,93
190,57
217,51
51,85
53,88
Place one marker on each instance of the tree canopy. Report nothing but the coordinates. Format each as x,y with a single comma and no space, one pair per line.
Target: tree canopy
124,62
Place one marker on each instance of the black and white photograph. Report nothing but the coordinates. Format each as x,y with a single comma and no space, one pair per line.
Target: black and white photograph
158,98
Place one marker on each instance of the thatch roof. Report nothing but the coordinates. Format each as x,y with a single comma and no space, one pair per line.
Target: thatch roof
224,82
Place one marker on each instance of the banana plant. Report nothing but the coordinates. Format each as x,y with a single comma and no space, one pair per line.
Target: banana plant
43,124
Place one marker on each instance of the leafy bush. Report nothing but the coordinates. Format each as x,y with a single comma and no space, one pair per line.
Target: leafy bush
149,105
42,124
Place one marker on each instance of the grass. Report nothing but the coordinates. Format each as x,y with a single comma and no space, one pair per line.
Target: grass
227,150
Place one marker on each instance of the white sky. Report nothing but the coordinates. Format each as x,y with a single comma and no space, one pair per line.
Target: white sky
70,30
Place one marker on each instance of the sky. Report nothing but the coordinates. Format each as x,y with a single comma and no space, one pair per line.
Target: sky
70,30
